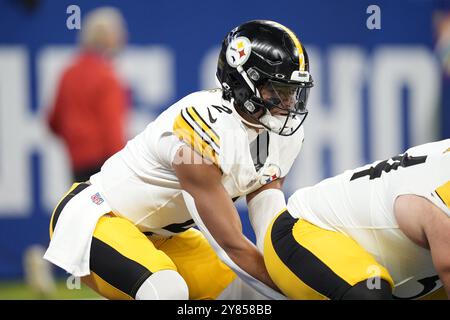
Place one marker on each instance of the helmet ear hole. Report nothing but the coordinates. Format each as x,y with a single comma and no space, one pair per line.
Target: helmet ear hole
253,74
234,81
250,106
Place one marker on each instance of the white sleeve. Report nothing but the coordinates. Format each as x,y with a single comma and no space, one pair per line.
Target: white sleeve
261,211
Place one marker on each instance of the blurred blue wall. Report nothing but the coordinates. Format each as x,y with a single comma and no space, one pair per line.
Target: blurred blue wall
187,32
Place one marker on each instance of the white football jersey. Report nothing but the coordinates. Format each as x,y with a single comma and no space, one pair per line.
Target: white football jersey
140,184
360,203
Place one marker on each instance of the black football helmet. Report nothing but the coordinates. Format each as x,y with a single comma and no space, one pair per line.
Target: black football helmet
264,67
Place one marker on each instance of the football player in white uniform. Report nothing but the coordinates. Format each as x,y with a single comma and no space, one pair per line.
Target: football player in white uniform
377,232
128,231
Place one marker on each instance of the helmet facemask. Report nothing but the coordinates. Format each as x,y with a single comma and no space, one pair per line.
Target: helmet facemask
283,102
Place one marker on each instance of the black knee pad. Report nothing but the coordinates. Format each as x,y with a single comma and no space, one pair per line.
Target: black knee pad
361,291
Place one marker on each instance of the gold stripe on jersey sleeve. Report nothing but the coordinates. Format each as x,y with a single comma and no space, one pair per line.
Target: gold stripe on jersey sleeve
444,193
183,130
448,150
204,126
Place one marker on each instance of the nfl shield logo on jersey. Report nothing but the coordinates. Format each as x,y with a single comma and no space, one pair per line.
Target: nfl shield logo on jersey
271,173
97,198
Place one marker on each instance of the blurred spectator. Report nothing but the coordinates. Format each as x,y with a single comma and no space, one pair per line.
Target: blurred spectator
90,108
441,19
442,24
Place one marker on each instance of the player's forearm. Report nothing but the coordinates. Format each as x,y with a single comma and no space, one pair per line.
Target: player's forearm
436,227
227,232
251,260
218,214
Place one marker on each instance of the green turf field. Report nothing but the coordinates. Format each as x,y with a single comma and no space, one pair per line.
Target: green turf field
20,291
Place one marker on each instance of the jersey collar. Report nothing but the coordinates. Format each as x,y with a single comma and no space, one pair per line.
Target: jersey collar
252,133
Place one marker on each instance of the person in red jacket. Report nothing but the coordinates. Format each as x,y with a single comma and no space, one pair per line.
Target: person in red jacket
90,108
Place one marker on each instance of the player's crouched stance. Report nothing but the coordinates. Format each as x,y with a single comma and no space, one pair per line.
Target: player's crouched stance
376,232
128,231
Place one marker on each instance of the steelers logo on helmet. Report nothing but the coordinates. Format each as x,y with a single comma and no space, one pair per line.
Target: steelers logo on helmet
238,51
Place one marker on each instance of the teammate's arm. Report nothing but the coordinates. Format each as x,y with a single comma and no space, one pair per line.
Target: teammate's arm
429,227
437,231
203,181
